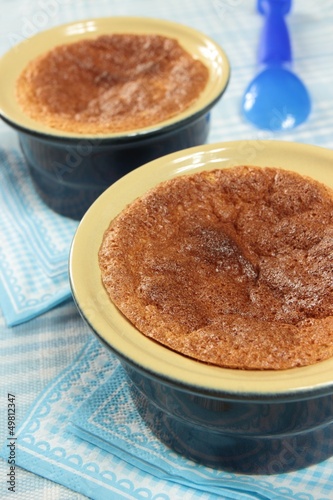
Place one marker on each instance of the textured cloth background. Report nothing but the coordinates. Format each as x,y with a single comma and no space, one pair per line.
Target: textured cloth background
34,353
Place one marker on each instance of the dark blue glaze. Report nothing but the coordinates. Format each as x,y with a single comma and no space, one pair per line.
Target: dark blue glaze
259,437
70,174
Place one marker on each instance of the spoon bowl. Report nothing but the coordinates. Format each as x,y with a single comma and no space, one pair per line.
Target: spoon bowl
276,99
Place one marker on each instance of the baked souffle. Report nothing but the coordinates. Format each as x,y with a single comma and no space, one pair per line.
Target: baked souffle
113,83
232,267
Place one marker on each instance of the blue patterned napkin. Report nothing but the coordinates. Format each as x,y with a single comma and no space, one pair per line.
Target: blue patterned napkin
34,245
85,433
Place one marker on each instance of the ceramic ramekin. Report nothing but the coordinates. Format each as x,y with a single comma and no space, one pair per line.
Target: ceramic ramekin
70,171
250,421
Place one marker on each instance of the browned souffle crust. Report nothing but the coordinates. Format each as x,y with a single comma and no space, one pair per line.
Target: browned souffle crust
232,267
112,83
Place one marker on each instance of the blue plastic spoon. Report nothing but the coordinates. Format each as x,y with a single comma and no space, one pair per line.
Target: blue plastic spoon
276,99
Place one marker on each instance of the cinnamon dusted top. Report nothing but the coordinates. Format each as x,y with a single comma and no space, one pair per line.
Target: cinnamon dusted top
232,267
112,83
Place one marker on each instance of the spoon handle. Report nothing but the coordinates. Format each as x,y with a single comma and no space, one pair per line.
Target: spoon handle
274,44
285,6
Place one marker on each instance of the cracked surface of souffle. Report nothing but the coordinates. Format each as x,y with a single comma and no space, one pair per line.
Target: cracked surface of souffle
232,267
113,83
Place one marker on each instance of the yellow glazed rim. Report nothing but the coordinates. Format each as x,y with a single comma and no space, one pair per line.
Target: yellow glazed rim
196,43
117,333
